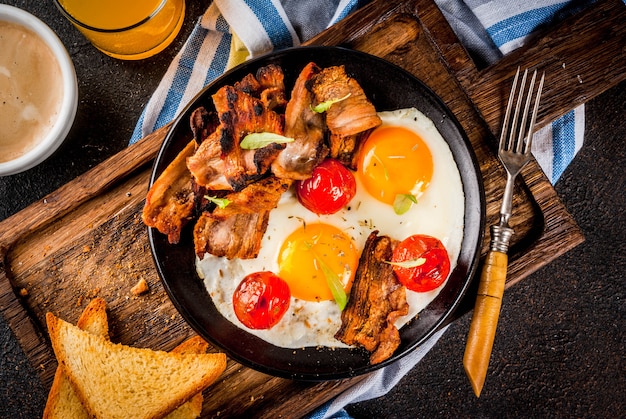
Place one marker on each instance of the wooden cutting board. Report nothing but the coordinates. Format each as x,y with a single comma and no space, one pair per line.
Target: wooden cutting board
86,239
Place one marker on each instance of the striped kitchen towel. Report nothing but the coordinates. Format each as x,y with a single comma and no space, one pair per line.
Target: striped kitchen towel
490,29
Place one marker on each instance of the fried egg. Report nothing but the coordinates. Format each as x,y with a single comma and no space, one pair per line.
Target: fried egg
406,155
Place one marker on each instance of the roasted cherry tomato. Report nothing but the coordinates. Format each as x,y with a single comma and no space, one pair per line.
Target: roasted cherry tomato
330,188
430,257
261,300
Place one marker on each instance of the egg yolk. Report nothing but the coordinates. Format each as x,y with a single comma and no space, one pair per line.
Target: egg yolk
394,160
312,256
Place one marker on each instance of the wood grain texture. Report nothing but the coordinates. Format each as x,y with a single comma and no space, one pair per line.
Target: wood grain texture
86,239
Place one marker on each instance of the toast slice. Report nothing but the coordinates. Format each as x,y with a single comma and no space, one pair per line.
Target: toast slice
117,381
193,408
62,400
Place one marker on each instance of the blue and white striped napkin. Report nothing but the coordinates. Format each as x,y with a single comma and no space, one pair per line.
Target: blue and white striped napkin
232,31
490,29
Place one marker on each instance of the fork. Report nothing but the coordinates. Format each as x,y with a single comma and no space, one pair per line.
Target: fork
514,152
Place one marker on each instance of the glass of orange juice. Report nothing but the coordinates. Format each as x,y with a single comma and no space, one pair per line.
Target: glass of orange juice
129,30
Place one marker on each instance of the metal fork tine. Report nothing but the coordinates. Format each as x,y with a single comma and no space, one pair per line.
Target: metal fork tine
522,132
529,140
505,124
514,125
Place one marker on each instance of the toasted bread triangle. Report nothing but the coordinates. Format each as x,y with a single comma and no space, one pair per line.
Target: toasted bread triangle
63,402
193,408
118,381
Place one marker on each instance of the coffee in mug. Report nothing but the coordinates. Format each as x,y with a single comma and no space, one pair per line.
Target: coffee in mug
31,90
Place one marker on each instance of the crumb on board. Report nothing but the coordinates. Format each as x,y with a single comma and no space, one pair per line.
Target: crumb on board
140,287
23,292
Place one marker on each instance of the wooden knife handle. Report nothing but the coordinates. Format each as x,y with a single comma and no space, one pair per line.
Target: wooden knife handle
485,319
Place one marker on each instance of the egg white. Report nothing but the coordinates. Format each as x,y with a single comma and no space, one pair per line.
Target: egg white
439,212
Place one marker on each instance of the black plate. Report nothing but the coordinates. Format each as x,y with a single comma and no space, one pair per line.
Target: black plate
388,87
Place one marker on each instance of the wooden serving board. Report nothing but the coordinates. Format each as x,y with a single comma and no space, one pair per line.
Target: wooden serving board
86,239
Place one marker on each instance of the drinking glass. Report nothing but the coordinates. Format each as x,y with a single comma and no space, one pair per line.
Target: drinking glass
128,30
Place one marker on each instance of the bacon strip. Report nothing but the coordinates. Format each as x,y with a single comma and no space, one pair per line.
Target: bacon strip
256,200
249,106
238,236
207,166
170,201
202,123
348,118
376,300
257,197
241,114
298,159
272,82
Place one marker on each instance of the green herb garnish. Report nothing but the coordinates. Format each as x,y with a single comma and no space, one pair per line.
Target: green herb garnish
402,203
258,140
332,280
220,202
335,285
324,106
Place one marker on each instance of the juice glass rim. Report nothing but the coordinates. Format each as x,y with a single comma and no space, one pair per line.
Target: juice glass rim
111,30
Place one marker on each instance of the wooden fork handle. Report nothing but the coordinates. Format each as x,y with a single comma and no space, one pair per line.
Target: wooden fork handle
485,319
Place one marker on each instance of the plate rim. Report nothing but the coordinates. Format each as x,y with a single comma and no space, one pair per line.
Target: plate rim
471,267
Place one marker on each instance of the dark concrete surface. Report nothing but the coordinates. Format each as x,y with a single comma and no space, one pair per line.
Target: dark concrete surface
560,346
